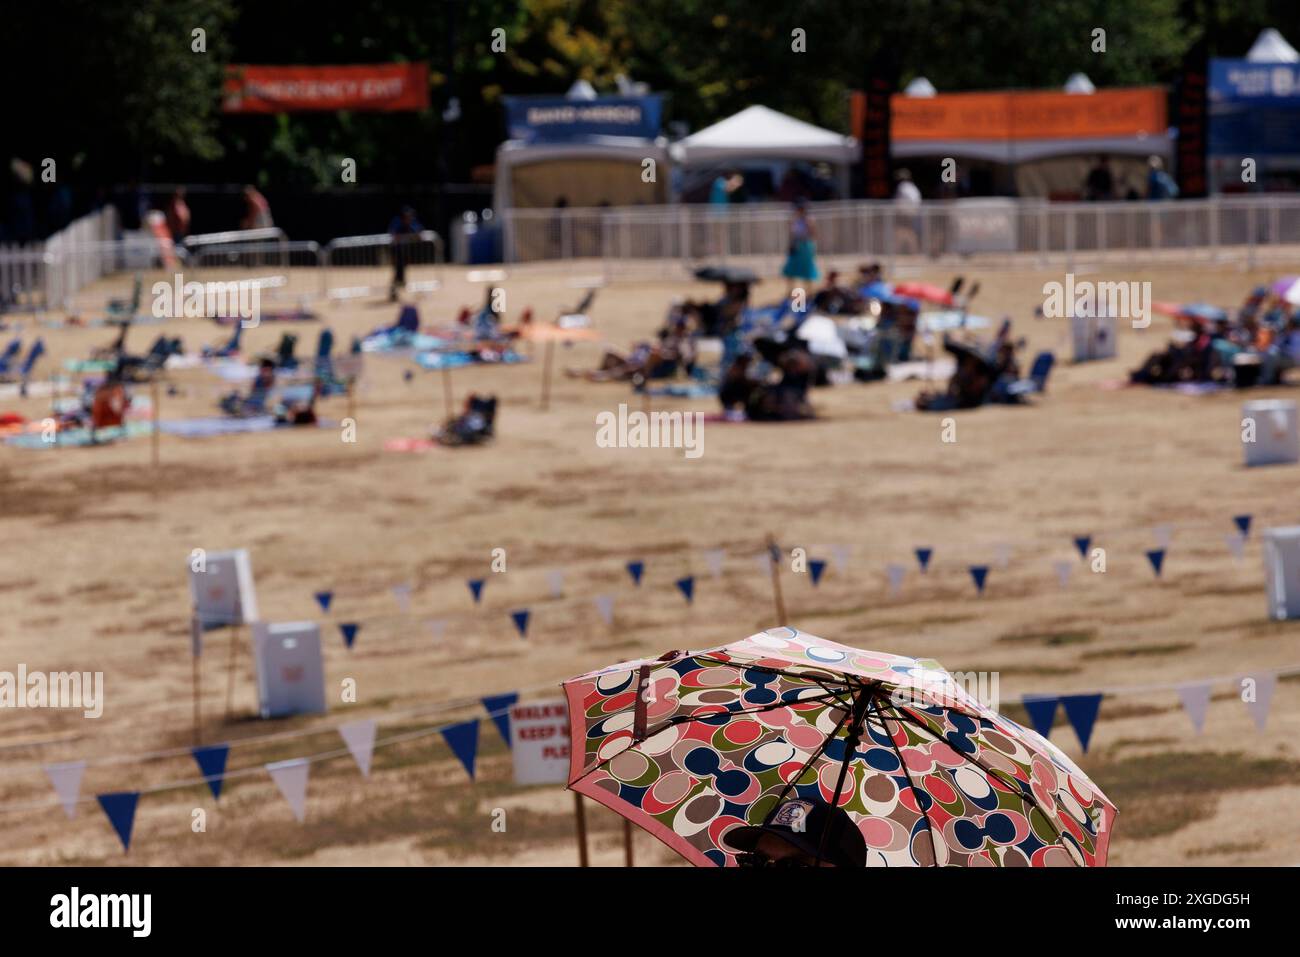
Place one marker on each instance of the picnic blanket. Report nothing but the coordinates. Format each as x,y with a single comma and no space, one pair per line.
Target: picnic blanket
685,390
453,359
76,438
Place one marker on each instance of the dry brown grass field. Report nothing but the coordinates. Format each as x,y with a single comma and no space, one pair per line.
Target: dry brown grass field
96,544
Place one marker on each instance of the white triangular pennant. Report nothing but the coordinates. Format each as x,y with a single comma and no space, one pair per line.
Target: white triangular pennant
764,563
605,605
895,573
714,558
66,778
436,627
1196,701
555,581
1164,535
1063,570
359,736
1264,685
291,778
840,556
1236,543
403,595
1002,554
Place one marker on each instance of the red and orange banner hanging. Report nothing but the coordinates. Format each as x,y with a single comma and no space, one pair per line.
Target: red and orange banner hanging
381,87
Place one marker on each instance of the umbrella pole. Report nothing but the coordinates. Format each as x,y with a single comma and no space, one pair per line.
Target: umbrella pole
627,843
776,580
853,737
581,817
546,374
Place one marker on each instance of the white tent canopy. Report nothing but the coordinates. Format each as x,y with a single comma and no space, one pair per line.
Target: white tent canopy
1271,47
760,133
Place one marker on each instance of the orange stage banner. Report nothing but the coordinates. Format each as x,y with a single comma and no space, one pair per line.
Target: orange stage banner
1025,115
381,87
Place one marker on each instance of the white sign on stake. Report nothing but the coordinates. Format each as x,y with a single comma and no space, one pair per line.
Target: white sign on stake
539,741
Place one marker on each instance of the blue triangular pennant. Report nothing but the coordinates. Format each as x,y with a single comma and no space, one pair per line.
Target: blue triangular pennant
635,569
815,568
1082,710
979,573
520,619
120,808
349,630
1042,713
923,558
476,588
463,741
687,587
323,598
498,709
1157,559
1243,523
1083,543
212,762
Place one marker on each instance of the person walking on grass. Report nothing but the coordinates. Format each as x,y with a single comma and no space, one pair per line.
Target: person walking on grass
801,263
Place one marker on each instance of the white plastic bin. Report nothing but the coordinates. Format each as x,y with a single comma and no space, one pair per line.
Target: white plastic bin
1277,436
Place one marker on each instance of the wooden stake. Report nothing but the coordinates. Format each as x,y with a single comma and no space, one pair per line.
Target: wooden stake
153,398
352,401
627,843
582,829
546,375
198,734
776,580
230,672
446,393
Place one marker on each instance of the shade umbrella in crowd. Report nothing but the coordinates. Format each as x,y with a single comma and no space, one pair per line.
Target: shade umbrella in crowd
700,748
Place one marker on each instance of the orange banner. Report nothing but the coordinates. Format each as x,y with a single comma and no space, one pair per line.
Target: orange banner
1025,115
382,87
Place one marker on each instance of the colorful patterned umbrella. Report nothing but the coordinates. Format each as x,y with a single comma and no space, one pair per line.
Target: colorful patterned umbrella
693,744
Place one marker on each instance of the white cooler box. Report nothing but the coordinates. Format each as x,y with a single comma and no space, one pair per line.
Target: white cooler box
1282,571
223,593
1277,437
1094,337
290,672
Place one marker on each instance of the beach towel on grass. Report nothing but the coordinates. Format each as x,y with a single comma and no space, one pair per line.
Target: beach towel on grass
685,390
453,360
208,426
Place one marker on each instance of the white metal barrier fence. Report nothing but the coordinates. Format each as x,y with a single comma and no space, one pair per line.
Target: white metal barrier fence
994,230
49,275
349,263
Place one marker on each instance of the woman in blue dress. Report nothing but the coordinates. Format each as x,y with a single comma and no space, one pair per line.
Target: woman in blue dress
801,263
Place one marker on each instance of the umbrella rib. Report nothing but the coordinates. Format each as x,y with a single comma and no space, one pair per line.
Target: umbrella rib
920,804
765,668
1033,798
821,749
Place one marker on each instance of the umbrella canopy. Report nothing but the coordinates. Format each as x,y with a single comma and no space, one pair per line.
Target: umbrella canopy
693,745
1288,289
924,291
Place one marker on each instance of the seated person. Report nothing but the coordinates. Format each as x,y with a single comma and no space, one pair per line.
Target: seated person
109,405
258,394
298,411
658,360
783,400
473,426
970,385
1186,359
837,300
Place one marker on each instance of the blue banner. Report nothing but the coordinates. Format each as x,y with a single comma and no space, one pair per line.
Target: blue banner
557,119
212,762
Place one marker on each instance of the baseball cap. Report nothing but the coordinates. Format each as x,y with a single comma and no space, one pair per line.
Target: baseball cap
802,824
